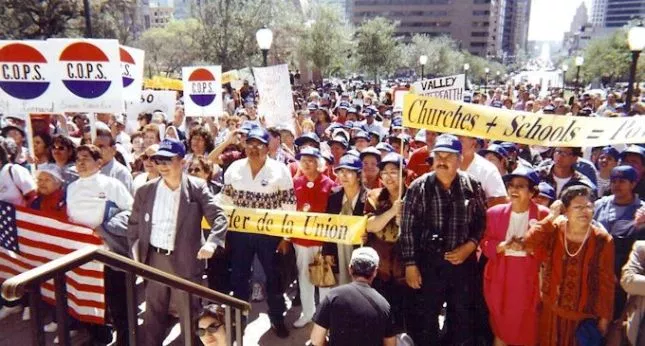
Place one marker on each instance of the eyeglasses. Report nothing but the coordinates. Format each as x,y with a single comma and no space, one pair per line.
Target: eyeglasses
210,329
563,153
59,148
162,161
194,170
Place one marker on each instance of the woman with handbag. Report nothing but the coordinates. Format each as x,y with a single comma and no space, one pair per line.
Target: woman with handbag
349,199
312,190
513,302
578,278
383,208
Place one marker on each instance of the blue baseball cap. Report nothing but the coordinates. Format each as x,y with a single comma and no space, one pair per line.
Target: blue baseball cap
420,136
523,172
350,162
447,143
328,157
258,134
344,105
340,140
248,126
353,152
397,122
382,146
403,137
307,137
624,172
548,109
611,151
496,149
313,152
170,148
509,147
362,134
547,191
312,106
370,111
497,104
371,151
633,149
352,110
392,158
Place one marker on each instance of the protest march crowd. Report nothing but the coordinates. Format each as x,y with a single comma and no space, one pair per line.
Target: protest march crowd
504,243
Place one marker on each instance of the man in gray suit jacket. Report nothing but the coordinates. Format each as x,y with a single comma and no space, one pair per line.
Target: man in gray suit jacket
164,231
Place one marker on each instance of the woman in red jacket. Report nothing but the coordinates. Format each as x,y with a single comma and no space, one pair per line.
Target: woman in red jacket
511,283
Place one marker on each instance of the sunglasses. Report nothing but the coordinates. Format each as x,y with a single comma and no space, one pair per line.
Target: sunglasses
162,160
194,170
210,329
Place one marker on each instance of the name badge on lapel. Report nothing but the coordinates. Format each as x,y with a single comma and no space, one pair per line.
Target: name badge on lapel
264,182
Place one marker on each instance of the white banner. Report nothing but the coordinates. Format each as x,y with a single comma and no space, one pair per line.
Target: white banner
151,101
202,90
449,88
132,61
26,77
276,98
88,75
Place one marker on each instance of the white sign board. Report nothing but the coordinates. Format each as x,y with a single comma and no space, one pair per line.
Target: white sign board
151,101
276,98
26,77
202,90
88,75
449,88
132,61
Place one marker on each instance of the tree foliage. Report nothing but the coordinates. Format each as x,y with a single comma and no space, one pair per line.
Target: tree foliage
376,48
36,19
326,41
169,49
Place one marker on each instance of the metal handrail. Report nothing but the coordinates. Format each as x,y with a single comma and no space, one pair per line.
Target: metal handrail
14,288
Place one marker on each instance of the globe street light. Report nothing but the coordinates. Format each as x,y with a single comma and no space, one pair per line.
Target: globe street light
565,68
579,61
487,71
264,37
466,68
423,60
636,41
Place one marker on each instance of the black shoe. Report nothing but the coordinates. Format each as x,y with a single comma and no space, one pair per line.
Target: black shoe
280,329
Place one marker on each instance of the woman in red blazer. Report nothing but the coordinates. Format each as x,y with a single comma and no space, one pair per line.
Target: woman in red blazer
511,276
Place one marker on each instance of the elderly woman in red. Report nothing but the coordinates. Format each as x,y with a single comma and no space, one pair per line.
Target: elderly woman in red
578,279
511,274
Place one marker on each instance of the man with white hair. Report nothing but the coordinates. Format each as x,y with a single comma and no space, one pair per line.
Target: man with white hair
355,313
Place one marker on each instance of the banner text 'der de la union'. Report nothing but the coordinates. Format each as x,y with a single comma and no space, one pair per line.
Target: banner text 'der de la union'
521,127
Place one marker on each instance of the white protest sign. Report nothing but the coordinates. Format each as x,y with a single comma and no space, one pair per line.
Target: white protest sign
151,101
449,88
276,98
132,61
26,77
88,75
398,94
202,90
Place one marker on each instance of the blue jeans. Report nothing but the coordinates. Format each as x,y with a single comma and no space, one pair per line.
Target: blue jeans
244,247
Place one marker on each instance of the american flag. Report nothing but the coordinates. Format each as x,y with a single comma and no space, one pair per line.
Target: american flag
40,239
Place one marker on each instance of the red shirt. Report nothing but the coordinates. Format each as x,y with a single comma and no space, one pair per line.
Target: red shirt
312,197
53,205
417,163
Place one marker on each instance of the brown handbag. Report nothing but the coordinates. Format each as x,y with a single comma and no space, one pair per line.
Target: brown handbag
320,272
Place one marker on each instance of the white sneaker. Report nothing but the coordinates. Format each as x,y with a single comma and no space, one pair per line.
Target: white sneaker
51,327
72,333
26,314
7,311
302,321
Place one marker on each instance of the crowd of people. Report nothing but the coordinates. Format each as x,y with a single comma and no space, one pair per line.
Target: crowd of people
475,241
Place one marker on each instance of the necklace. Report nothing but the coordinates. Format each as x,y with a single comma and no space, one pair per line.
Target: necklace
566,247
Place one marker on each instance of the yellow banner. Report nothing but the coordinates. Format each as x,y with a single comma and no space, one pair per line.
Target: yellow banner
516,126
341,229
229,76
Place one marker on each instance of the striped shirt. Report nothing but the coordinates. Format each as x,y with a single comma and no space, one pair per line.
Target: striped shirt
164,217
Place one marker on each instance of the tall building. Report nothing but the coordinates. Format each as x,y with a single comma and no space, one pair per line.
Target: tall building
475,26
616,13
516,27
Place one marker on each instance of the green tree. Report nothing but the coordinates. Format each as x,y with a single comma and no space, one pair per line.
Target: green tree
36,19
171,48
444,58
376,49
326,41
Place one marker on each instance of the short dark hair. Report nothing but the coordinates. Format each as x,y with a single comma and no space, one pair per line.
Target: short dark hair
574,191
106,133
91,149
212,310
67,143
203,132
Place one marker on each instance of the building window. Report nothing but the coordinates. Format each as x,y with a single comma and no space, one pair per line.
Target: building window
478,2
481,13
479,34
478,44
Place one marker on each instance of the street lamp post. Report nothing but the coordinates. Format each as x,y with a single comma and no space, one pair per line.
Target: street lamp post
466,68
579,61
88,18
423,60
636,41
487,71
264,37
565,68
497,78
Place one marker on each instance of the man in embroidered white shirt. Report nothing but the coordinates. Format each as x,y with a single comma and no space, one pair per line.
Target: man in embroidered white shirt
258,181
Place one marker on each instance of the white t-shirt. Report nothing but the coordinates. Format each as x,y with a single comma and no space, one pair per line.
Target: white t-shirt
13,190
518,225
560,182
488,175
87,198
